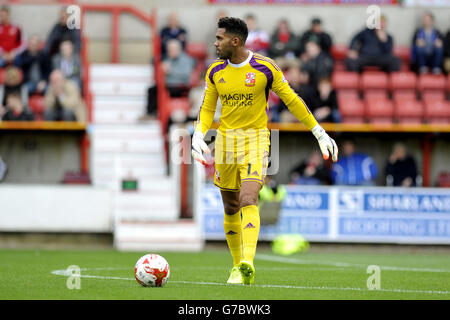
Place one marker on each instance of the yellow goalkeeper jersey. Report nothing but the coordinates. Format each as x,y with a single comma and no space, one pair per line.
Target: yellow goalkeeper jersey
243,90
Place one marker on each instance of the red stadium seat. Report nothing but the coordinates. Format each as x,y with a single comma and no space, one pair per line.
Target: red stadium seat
400,95
374,80
375,94
339,65
433,95
409,111
444,180
448,83
403,80
380,111
431,82
37,105
339,51
197,50
437,111
345,80
348,94
403,52
351,109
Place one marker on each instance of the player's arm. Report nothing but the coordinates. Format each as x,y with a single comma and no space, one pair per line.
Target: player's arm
204,120
299,109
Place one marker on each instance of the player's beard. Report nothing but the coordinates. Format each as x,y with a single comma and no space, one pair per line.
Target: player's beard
224,54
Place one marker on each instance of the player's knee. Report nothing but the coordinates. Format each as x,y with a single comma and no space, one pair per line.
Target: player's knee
232,207
248,200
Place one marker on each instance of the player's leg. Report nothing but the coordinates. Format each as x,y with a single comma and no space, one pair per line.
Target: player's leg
248,199
232,228
232,224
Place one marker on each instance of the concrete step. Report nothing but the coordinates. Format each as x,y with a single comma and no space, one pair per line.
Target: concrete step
105,72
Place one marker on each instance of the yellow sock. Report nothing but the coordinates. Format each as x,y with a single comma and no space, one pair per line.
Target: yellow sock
232,227
250,232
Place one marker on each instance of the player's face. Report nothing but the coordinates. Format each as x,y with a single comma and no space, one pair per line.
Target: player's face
224,44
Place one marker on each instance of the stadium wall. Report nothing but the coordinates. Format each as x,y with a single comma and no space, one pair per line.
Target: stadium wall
43,208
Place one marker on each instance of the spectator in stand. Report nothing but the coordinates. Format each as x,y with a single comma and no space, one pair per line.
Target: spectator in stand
353,168
282,42
13,83
63,100
427,49
401,169
372,47
317,35
68,62
35,66
447,52
317,63
258,40
299,82
61,32
15,110
311,171
177,68
11,43
327,109
173,30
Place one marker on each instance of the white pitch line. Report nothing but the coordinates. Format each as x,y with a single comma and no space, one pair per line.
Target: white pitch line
65,273
344,264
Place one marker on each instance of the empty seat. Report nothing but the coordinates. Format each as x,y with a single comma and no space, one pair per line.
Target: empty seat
400,95
448,83
374,80
437,111
380,111
409,111
197,50
345,80
432,95
403,52
339,51
372,94
351,109
431,82
403,80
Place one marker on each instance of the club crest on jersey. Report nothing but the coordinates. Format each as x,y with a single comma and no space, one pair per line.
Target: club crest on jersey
250,79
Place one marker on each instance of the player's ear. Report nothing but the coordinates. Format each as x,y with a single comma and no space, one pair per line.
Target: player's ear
235,41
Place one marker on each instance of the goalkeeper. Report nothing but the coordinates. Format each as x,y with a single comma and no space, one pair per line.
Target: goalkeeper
242,79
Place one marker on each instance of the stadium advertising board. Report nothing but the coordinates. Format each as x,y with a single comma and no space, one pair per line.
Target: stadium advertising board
366,214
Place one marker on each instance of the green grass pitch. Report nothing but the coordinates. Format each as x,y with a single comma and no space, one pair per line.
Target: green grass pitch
108,274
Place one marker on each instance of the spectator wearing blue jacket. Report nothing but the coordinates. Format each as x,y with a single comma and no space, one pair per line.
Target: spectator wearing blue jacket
353,168
427,49
372,47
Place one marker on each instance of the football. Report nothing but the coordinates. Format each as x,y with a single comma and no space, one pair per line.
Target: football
152,270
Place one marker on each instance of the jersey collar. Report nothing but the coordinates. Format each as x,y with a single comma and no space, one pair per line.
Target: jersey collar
242,63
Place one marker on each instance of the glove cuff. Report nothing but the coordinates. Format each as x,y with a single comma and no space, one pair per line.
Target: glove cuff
318,131
198,134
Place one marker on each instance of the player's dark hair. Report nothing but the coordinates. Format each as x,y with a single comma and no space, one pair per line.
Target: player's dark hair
234,26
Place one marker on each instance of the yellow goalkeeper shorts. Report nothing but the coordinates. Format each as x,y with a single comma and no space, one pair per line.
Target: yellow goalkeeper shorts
233,170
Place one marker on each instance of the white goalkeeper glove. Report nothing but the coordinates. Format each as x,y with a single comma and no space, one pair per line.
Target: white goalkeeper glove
198,147
327,145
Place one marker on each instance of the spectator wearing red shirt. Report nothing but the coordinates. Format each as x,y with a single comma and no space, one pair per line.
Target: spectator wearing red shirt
11,43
